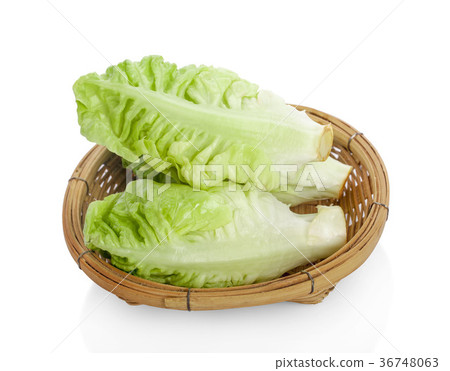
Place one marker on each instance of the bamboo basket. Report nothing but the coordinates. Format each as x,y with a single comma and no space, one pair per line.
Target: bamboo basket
364,200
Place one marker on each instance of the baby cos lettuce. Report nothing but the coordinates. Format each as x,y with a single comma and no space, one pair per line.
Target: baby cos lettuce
216,236
196,116
213,238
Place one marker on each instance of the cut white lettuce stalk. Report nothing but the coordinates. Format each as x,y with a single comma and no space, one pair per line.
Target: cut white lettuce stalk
214,238
314,181
196,116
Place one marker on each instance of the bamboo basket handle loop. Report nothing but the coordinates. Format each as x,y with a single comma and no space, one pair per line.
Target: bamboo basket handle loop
83,180
381,204
312,281
188,300
350,140
81,255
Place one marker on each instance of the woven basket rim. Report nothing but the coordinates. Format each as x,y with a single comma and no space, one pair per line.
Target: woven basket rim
296,285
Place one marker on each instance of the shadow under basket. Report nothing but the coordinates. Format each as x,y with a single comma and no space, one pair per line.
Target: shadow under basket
365,201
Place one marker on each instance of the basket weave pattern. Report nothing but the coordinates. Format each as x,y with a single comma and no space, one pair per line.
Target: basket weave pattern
100,173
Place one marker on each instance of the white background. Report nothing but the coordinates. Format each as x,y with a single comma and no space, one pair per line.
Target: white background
383,68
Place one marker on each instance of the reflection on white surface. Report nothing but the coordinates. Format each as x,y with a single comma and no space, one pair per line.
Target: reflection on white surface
331,326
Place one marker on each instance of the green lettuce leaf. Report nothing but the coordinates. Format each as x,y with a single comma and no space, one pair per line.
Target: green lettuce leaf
196,116
214,238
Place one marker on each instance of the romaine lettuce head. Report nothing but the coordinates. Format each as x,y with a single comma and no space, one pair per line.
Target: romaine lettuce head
196,116
215,238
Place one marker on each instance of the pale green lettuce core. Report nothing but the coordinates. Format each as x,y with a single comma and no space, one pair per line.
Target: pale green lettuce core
213,238
196,115
314,181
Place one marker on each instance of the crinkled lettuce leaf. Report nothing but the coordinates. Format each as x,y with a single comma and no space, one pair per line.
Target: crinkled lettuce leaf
214,238
196,115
